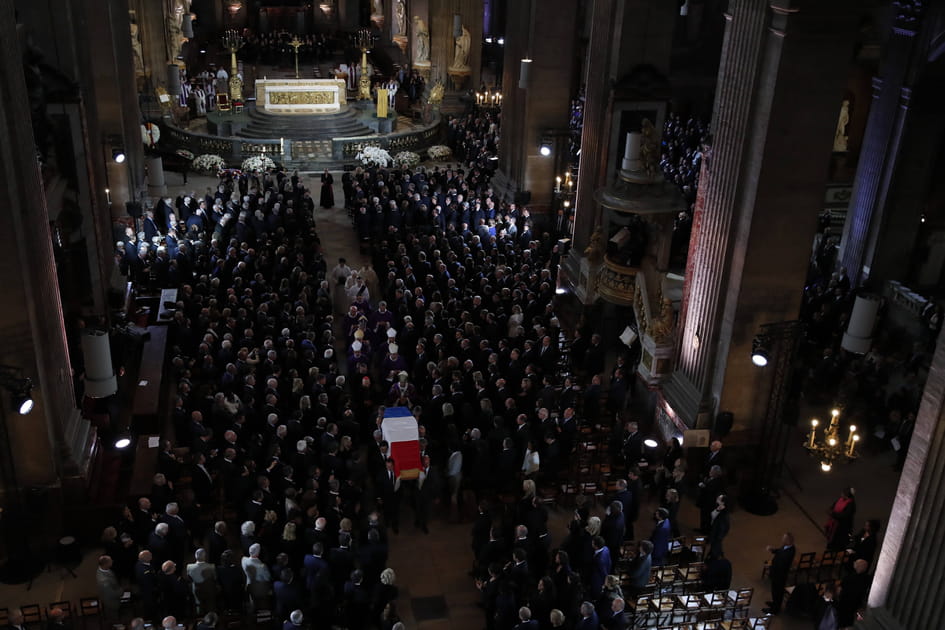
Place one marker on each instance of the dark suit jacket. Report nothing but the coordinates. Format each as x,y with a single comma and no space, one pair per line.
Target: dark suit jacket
781,560
588,623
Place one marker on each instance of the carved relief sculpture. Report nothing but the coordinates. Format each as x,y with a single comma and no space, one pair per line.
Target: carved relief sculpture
649,147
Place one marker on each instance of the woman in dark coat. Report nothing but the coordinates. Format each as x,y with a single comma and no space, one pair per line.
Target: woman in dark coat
328,193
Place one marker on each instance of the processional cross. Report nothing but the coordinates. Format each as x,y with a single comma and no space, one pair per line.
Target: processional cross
296,44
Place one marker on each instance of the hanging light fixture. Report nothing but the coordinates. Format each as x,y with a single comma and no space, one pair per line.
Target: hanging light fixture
829,448
524,68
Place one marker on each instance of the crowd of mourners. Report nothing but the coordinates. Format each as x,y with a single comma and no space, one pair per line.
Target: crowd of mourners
275,489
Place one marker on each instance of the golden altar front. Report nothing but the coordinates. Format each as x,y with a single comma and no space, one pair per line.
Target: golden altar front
300,96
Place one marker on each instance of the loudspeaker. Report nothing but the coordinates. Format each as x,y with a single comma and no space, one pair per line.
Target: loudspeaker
523,197
133,208
723,423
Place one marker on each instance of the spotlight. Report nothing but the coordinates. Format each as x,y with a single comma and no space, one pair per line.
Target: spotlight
22,397
23,404
544,147
500,41
488,40
759,351
650,443
123,441
118,155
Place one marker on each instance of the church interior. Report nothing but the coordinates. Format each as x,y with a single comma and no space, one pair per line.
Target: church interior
633,307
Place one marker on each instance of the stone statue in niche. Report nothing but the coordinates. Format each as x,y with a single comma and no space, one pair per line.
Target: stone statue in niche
377,7
461,53
400,18
174,19
840,137
136,46
421,45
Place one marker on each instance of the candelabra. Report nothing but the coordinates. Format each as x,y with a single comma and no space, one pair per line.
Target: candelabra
489,99
829,448
365,41
233,41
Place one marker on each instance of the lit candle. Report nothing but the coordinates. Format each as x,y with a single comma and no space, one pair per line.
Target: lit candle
108,195
558,184
813,433
851,447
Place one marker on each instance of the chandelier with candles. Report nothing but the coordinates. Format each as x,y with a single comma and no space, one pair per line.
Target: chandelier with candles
828,446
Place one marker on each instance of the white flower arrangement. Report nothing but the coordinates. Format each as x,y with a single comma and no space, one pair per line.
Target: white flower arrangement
439,152
209,164
374,156
258,164
407,159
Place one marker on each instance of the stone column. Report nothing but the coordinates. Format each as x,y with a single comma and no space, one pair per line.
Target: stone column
880,152
32,324
753,241
904,593
545,104
623,36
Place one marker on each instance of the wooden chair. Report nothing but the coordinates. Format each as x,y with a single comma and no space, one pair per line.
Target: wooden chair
264,619
739,601
90,612
761,623
4,616
31,613
698,546
691,576
805,564
829,561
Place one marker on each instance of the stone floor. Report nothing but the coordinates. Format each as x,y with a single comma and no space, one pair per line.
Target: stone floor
435,591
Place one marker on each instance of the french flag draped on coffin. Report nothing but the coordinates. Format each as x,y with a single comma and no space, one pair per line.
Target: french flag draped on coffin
400,430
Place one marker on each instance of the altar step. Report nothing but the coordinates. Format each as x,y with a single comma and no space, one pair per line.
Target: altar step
301,127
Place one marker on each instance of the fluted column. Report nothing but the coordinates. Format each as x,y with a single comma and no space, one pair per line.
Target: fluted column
595,134
741,57
880,152
769,158
906,592
31,324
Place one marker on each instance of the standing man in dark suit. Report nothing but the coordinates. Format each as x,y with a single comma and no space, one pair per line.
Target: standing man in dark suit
217,543
388,495
427,491
781,560
709,490
721,524
147,583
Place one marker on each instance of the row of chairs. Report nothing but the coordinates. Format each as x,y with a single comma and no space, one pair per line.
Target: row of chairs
809,567
723,608
88,613
753,623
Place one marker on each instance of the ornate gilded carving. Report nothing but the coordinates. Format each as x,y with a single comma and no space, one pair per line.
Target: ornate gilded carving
594,252
436,94
649,148
310,97
662,329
